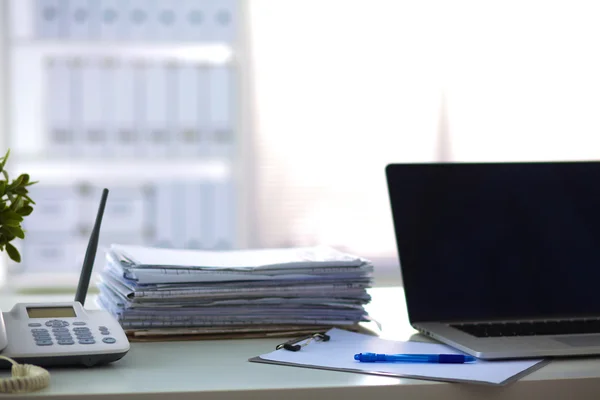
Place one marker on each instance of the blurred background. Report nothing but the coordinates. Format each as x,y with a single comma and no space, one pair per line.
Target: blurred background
223,124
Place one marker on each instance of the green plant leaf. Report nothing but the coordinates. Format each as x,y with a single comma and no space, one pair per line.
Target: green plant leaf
4,160
11,223
6,216
13,253
15,204
26,197
25,210
16,231
9,237
18,181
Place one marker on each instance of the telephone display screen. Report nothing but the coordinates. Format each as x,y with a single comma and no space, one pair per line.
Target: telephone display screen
50,312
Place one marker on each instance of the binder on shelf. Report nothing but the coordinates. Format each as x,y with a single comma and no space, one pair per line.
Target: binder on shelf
126,212
224,215
77,104
138,19
78,19
165,26
191,117
208,207
59,104
179,214
192,203
148,233
55,209
126,98
157,106
163,213
111,105
94,19
221,110
222,20
112,20
50,17
49,253
192,17
94,92
137,146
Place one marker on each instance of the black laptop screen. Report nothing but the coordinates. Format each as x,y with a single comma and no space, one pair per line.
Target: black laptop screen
498,240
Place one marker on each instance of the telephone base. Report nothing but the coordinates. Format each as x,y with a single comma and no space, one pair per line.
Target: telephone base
65,361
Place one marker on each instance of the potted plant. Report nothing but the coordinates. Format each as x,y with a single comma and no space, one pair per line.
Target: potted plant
15,205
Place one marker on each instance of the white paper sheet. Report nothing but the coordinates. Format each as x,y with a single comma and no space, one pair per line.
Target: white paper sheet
241,259
338,354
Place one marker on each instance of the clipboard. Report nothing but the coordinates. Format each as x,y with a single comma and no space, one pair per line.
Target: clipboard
336,353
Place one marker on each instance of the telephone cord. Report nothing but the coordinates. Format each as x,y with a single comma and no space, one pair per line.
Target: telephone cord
25,378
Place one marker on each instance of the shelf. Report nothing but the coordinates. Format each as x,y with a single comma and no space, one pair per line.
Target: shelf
151,186
44,283
125,43
59,171
179,51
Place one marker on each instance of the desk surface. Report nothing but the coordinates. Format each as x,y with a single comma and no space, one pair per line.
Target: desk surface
220,370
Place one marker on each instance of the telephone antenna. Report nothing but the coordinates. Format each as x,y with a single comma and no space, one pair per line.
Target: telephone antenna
90,254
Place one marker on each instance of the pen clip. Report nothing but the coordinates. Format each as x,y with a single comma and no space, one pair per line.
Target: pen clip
292,345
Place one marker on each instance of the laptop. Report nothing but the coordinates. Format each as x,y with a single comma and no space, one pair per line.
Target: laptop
501,260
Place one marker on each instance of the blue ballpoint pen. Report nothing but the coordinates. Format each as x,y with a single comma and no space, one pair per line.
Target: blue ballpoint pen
415,358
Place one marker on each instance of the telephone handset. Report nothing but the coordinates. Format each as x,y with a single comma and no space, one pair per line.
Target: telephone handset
59,334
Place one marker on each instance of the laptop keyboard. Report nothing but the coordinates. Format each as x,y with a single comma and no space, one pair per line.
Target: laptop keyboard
499,329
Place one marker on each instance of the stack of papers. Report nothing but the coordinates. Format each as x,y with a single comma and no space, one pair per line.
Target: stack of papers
162,293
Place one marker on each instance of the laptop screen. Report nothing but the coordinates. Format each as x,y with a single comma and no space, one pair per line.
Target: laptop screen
481,241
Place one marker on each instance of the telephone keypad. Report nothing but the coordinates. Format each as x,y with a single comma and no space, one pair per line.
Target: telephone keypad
61,335
67,336
84,336
57,323
83,333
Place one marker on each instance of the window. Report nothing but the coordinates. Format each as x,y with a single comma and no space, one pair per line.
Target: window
343,87
333,90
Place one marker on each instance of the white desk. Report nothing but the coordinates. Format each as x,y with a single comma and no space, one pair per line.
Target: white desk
210,370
